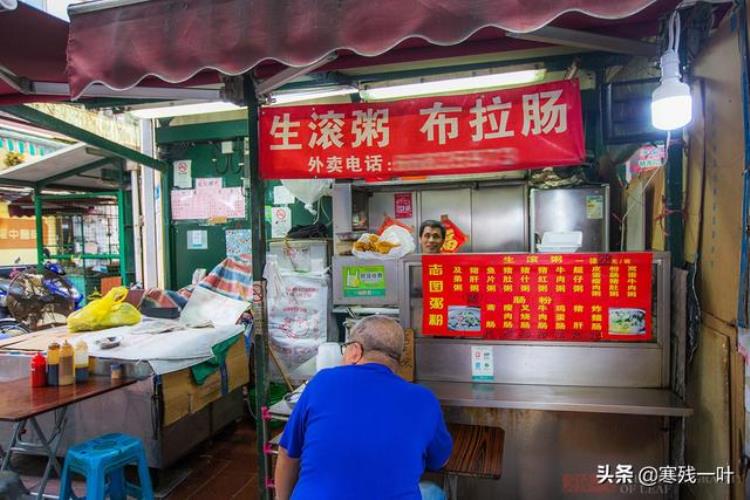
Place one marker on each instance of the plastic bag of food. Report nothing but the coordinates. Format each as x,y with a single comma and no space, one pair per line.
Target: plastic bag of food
394,243
108,312
389,221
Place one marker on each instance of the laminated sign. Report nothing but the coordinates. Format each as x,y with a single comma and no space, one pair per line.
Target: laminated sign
578,296
511,129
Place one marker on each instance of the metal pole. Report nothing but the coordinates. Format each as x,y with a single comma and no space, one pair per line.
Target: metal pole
149,210
39,224
260,330
121,236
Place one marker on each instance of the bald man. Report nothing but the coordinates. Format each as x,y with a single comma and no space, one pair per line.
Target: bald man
359,430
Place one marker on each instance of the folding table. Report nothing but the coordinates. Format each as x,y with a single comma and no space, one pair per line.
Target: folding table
21,404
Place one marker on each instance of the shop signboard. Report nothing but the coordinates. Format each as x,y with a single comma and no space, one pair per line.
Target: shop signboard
570,297
363,281
512,129
20,232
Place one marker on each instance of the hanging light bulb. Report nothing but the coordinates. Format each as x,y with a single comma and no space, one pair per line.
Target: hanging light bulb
671,103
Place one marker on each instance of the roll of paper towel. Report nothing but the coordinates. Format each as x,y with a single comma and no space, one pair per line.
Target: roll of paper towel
329,355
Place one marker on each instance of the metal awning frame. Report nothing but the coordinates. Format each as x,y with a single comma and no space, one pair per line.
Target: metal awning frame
49,122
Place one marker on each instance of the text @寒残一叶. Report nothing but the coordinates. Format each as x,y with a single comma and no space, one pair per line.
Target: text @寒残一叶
626,474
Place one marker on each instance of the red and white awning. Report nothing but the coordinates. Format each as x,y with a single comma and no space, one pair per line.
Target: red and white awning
33,52
119,43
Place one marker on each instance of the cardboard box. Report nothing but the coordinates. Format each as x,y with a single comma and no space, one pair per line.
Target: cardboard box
182,396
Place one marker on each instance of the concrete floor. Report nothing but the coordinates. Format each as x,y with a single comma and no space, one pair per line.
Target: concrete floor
223,468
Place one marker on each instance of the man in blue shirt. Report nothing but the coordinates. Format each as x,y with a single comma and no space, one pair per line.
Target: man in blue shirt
359,431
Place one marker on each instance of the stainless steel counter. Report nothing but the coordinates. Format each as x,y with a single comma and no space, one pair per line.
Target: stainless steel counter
619,400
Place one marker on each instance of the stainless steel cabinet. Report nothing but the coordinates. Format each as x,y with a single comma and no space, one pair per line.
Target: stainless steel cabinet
584,209
494,217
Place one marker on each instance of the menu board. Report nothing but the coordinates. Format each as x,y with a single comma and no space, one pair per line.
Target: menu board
568,297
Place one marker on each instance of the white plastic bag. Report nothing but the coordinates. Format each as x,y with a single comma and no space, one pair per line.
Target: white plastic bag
393,234
297,319
308,191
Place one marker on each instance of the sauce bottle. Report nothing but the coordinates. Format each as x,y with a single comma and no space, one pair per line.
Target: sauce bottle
53,364
38,370
66,364
82,362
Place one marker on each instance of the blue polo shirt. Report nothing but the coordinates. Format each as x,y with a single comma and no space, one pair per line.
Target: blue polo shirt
363,432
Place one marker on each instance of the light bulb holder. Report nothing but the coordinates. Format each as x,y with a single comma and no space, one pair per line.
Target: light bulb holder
670,65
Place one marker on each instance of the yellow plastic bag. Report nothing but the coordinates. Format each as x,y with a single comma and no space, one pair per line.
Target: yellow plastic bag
108,312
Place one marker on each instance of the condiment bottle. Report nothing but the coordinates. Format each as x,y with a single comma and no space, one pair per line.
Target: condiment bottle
38,370
53,364
115,372
82,361
66,364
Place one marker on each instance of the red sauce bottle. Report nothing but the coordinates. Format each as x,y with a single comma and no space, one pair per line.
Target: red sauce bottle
38,371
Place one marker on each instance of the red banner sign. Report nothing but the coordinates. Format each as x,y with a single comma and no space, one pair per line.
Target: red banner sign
529,127
576,297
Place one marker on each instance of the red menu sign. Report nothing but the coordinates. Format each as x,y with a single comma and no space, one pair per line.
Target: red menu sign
575,297
528,127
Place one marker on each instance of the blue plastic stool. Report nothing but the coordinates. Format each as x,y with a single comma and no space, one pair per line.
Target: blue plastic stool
106,457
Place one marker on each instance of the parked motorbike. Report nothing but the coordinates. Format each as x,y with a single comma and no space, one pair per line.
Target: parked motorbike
9,326
37,300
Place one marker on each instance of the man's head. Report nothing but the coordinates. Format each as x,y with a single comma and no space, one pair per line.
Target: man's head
375,339
431,236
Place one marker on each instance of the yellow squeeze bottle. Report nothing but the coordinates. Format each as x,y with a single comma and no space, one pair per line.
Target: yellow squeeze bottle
67,377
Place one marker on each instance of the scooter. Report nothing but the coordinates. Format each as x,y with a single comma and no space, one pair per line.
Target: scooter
56,294
9,327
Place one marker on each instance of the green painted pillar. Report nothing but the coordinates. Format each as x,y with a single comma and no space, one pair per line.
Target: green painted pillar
39,224
260,325
121,236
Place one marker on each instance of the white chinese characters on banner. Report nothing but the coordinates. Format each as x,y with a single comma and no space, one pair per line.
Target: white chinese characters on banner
496,114
327,130
543,118
371,127
516,128
437,118
542,112
285,129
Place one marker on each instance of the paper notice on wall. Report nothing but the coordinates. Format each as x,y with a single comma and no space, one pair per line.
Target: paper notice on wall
281,221
594,206
482,363
282,196
183,177
186,206
197,240
191,204
208,183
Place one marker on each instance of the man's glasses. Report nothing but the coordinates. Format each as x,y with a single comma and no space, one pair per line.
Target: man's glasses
395,357
347,344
